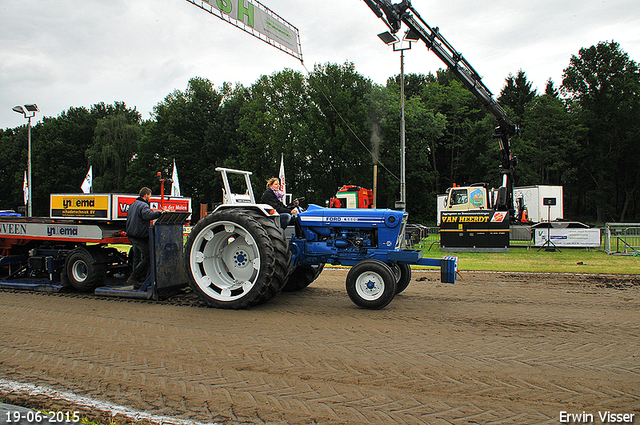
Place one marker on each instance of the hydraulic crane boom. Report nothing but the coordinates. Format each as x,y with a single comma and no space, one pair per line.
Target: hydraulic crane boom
393,15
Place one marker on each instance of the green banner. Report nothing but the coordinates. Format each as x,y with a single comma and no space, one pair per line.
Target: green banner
257,20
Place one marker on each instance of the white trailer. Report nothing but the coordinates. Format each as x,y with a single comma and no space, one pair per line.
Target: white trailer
542,202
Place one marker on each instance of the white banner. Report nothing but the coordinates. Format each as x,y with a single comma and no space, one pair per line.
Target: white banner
283,182
25,189
175,184
570,237
87,184
258,20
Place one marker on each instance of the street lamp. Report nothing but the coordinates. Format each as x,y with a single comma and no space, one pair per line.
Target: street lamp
400,46
29,111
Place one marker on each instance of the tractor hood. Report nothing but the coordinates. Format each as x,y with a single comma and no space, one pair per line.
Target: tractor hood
345,217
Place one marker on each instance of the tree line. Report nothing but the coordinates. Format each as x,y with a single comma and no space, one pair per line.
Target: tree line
332,125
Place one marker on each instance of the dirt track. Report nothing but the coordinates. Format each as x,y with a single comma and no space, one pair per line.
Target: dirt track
493,348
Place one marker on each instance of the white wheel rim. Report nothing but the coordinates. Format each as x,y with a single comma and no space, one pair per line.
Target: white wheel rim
225,261
370,285
79,271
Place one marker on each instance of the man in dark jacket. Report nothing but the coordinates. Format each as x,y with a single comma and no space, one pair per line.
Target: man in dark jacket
138,219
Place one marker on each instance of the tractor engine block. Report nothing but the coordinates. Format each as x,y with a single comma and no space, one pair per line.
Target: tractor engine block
346,236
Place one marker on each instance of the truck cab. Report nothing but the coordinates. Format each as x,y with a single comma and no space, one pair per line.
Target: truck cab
467,198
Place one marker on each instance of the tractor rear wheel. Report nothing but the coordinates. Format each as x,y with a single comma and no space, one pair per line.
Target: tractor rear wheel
371,284
302,277
231,260
281,252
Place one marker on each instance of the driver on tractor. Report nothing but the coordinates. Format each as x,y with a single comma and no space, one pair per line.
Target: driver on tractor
274,197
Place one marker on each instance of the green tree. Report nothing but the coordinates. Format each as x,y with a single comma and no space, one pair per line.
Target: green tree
338,145
13,164
550,144
274,123
413,83
423,129
550,89
185,127
59,145
516,94
603,85
461,153
114,144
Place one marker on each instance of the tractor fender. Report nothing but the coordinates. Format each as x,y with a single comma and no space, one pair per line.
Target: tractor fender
264,209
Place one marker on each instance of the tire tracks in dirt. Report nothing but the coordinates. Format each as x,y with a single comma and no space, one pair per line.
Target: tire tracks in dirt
508,348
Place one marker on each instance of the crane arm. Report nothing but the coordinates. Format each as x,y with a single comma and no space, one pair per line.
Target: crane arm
394,15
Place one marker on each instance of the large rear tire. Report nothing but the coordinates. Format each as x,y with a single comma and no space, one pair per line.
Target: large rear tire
232,261
84,270
281,252
371,284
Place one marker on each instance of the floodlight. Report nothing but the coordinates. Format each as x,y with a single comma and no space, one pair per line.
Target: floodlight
388,38
26,110
411,35
29,111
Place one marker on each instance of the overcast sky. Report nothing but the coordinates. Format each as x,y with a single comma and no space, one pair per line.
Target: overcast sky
64,53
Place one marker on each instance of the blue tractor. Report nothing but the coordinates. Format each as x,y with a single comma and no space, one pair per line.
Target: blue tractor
238,256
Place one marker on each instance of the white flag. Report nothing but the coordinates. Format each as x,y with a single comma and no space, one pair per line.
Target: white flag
87,184
283,183
175,185
25,189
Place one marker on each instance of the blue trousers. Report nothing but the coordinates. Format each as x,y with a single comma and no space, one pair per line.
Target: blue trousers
285,219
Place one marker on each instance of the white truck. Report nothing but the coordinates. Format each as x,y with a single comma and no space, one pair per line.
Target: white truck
541,202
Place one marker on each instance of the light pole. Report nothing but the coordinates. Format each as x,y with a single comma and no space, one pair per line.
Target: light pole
400,46
29,111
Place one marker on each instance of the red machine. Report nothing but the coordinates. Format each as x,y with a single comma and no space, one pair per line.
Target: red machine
71,247
350,196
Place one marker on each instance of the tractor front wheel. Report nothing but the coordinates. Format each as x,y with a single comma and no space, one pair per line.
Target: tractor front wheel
371,284
403,276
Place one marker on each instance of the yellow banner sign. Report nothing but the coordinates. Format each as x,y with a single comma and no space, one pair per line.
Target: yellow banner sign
80,206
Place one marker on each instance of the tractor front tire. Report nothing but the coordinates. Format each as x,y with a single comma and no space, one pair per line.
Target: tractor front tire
231,260
403,276
371,284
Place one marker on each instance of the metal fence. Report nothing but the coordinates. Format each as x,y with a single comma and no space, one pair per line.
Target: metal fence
622,238
520,236
420,237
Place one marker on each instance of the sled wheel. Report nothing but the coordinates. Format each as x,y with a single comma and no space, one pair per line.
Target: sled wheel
302,277
231,261
402,273
371,284
83,272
